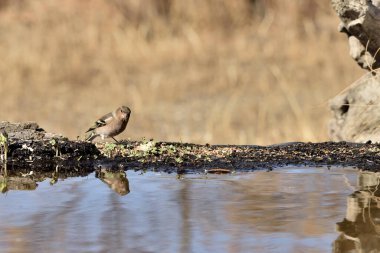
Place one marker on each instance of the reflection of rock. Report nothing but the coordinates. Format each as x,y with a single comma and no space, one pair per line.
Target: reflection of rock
116,180
19,183
360,229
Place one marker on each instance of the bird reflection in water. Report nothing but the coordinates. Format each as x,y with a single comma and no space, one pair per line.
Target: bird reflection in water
116,180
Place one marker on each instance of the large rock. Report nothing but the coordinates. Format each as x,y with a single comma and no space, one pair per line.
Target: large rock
356,111
360,20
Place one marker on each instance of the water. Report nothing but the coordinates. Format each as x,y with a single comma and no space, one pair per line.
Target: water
286,210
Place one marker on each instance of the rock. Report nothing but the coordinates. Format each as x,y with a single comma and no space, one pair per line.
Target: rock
356,111
360,20
27,131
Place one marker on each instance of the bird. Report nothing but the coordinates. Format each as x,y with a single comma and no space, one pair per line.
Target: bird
110,125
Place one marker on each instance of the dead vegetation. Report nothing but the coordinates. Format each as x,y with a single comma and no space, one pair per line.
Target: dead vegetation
217,71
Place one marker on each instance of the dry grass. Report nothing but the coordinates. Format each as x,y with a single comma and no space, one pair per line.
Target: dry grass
217,71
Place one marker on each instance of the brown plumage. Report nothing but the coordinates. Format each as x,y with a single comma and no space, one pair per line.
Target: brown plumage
110,125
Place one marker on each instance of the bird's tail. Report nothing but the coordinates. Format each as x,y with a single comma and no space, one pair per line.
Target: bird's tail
92,135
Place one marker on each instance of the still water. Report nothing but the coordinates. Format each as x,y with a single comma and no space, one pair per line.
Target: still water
286,210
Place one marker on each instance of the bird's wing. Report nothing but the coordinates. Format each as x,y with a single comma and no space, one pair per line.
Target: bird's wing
106,118
101,122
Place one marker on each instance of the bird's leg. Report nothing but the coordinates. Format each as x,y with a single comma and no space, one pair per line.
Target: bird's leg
115,140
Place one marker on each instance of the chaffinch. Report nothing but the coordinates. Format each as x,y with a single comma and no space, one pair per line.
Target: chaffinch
110,125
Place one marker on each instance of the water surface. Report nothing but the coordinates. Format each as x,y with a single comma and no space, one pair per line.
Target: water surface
286,210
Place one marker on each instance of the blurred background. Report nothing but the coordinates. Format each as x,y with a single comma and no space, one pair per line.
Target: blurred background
215,71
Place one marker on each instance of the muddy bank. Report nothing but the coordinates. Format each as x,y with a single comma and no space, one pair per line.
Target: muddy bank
83,157
189,158
26,147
